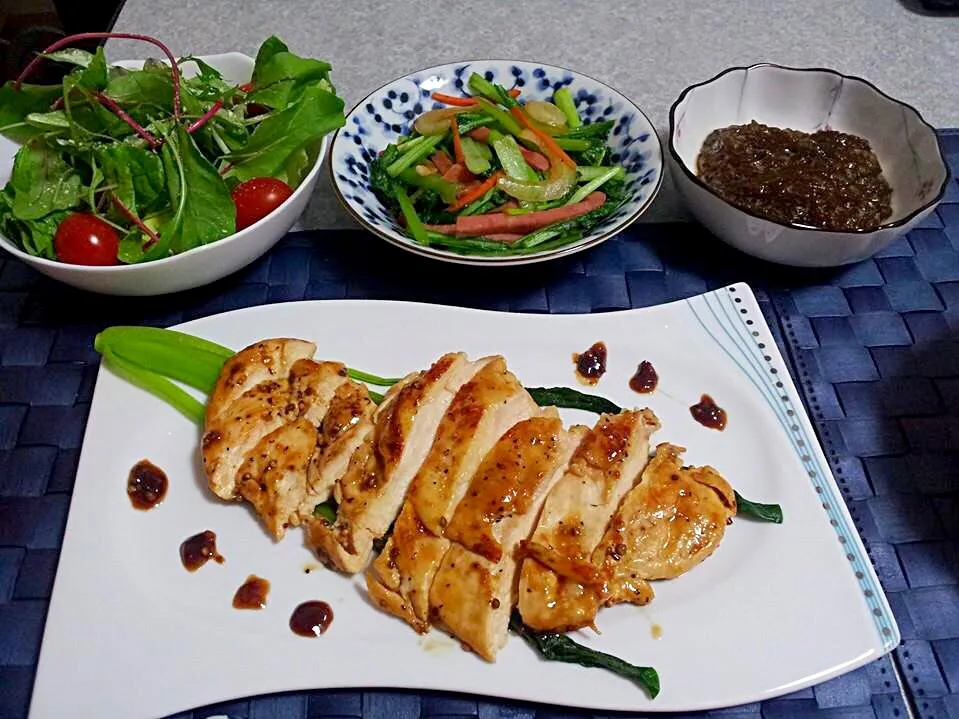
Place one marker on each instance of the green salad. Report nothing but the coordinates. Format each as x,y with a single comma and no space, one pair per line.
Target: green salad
120,166
494,175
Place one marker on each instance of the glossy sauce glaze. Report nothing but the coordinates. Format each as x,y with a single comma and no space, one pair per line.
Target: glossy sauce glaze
252,593
198,550
645,379
311,619
146,485
708,413
824,179
591,364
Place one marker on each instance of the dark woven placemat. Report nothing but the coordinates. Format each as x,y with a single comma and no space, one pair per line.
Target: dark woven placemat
874,348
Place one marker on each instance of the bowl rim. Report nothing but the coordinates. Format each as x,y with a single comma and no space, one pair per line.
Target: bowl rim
795,225
7,245
478,260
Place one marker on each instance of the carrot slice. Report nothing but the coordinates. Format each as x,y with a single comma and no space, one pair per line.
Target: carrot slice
514,93
458,145
548,142
477,192
453,100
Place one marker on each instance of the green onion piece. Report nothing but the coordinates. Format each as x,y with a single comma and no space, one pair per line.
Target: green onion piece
563,99
361,376
160,335
413,156
584,191
156,385
375,396
199,370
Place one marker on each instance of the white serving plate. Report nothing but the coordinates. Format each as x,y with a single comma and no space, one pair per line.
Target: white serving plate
775,609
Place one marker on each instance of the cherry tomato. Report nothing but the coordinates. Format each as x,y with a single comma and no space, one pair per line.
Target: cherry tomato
257,198
84,239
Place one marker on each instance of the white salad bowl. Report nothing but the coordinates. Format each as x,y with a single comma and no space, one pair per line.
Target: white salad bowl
387,113
193,268
807,100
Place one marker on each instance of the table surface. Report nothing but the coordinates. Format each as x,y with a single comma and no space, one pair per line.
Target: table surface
648,50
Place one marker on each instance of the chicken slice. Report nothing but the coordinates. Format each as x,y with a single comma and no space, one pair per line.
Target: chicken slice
273,475
475,587
230,436
371,492
265,361
346,425
313,385
483,410
574,520
669,523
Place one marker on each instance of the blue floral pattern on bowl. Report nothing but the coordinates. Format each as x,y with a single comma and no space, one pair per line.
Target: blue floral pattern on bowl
388,113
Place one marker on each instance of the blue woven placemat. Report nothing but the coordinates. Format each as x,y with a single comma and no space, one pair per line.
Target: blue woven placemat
874,349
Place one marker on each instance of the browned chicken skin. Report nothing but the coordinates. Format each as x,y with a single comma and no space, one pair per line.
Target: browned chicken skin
482,411
493,503
574,520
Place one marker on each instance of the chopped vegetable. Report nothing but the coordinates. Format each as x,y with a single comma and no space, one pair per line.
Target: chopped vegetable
572,399
763,512
477,192
413,222
560,648
150,156
564,101
507,171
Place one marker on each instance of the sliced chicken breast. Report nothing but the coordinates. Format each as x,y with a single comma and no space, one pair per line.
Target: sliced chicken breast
313,385
372,491
669,523
265,361
475,587
348,423
273,475
575,517
482,411
230,436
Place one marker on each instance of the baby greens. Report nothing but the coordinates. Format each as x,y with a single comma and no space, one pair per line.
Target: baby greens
155,154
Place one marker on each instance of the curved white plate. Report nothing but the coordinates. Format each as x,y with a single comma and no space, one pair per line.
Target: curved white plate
777,608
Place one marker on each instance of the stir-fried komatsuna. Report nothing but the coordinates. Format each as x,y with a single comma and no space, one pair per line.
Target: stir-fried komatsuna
493,175
457,493
122,165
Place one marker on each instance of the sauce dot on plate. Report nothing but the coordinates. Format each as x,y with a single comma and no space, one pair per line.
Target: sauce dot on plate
146,485
311,619
591,364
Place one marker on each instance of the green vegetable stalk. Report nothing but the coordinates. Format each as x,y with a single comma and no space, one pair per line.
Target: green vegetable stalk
560,648
563,99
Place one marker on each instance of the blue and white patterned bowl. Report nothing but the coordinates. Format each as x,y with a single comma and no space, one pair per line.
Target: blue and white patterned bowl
388,112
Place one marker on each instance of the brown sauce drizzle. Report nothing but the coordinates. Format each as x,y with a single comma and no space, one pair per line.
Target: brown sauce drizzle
591,364
146,485
198,550
252,593
311,619
645,379
708,413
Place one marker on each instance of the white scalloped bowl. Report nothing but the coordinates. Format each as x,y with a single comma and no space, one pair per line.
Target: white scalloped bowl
193,268
807,100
